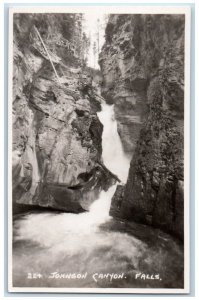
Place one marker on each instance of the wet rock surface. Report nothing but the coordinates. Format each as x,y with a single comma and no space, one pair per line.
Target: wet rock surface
56,132
142,64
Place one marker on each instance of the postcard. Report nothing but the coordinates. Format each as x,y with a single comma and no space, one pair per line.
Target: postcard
99,104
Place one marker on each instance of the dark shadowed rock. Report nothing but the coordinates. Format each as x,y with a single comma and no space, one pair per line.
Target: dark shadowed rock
142,63
116,202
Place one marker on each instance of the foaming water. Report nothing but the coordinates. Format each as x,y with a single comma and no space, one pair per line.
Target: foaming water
114,159
113,155
85,223
58,227
99,210
92,242
45,243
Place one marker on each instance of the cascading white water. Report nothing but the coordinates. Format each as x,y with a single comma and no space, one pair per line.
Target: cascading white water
114,159
113,155
86,243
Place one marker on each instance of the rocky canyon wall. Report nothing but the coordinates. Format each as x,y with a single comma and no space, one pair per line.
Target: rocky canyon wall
142,63
56,132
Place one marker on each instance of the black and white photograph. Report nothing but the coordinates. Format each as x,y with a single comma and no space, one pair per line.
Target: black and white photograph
99,149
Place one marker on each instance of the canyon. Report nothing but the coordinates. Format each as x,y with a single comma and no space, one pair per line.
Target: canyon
98,155
57,135
142,63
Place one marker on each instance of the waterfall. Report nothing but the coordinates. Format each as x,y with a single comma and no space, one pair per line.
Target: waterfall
113,155
114,159
78,244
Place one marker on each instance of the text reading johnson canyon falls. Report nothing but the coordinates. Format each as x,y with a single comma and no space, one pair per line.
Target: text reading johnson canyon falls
98,155
96,276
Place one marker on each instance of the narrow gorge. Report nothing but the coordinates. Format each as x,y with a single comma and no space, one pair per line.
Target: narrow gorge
142,63
98,161
57,134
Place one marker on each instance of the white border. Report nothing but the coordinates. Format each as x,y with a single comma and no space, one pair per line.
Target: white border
187,143
109,9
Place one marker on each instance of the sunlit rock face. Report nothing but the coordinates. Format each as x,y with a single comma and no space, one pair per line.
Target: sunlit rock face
56,131
142,63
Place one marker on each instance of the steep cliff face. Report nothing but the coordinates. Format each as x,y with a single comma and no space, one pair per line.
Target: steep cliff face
143,67
124,82
56,132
